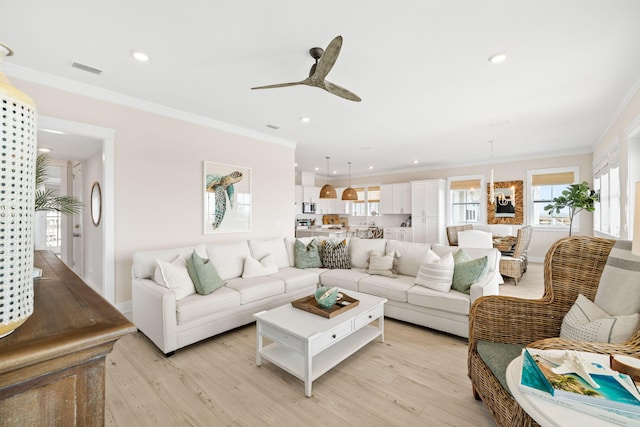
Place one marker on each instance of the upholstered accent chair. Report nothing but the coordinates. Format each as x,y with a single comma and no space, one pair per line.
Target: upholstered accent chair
452,232
514,263
501,326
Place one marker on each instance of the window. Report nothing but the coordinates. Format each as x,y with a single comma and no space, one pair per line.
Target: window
607,182
368,202
544,186
465,197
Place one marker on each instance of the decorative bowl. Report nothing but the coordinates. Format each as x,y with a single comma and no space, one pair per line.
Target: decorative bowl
326,297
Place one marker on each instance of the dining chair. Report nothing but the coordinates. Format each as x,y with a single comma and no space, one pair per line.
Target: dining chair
515,264
453,230
475,239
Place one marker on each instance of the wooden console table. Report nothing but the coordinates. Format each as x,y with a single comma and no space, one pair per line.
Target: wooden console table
52,368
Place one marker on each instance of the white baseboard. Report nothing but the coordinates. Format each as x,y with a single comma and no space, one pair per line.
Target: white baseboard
125,308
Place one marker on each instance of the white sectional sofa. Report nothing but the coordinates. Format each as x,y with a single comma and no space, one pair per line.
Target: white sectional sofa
173,323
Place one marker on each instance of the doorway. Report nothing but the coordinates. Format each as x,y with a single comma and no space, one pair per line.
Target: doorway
84,154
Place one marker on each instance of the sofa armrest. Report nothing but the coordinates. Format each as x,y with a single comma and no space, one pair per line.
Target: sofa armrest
154,313
488,285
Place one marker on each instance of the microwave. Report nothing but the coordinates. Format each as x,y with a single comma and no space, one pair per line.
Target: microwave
308,208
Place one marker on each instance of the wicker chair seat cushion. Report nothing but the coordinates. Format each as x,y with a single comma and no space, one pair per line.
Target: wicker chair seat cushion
497,357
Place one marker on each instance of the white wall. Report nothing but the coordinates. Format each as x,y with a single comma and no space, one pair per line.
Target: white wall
158,174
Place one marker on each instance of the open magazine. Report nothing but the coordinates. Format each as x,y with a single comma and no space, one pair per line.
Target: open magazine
582,381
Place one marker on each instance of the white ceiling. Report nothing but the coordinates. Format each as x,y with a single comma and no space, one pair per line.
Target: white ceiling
428,91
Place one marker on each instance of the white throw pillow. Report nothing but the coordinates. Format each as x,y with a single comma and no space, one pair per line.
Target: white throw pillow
435,272
619,289
275,246
174,275
254,268
588,322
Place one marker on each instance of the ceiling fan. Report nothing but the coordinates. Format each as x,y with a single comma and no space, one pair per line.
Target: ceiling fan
325,59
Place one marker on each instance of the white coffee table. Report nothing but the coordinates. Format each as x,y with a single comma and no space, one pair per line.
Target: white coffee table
307,345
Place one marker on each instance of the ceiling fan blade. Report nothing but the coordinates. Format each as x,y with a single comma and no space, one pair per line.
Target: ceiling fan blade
328,59
341,92
279,85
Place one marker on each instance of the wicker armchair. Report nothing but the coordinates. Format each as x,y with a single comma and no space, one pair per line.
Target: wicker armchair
572,266
452,233
515,265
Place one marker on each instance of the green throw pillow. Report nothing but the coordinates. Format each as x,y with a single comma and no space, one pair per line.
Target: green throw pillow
203,274
467,271
307,256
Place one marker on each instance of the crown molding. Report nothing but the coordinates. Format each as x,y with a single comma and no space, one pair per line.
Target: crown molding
68,85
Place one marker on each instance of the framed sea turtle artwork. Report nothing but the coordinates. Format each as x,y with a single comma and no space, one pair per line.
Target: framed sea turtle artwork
227,198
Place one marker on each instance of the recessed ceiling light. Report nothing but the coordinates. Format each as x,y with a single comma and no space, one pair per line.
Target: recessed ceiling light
370,167
497,57
139,55
335,172
44,150
316,168
305,119
295,165
415,162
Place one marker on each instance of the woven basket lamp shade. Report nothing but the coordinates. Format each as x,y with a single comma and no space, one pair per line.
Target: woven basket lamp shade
17,182
328,191
349,193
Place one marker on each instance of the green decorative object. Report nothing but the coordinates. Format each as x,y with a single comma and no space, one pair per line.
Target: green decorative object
577,197
49,200
326,297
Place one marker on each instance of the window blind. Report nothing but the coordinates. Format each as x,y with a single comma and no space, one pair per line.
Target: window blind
466,184
553,179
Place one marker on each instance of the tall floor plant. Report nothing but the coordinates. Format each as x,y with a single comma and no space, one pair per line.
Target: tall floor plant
577,197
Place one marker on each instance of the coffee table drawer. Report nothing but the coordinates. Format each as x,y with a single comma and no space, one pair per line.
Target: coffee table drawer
368,317
282,337
331,336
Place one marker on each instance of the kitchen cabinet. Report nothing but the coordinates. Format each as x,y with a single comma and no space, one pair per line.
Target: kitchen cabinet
395,198
428,211
310,194
402,234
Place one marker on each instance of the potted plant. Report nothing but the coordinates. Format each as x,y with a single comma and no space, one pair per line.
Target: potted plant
47,199
577,197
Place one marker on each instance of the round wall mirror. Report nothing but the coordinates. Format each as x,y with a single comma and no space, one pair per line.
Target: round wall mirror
96,203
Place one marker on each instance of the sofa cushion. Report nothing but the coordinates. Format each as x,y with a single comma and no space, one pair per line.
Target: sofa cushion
254,268
585,321
497,357
335,254
203,274
307,255
383,265
289,243
619,289
436,272
345,279
195,307
256,288
452,301
174,275
394,289
411,256
467,271
229,258
274,246
361,250
296,279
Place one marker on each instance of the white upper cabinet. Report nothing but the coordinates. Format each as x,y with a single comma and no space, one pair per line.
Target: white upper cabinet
395,198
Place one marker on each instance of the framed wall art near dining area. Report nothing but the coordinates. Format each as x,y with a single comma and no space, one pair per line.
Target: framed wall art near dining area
227,198
507,204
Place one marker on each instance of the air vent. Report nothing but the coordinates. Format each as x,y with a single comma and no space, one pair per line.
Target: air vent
273,126
86,68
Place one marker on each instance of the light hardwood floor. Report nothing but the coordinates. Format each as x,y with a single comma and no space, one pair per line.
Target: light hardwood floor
417,377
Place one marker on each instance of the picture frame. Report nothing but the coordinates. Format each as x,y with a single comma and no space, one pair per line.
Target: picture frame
226,198
504,211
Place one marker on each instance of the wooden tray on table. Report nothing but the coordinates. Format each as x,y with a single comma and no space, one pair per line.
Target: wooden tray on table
310,304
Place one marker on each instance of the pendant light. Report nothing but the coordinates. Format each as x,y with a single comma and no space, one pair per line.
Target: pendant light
492,187
328,191
349,193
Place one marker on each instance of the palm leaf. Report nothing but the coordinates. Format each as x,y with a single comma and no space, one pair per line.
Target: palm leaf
49,200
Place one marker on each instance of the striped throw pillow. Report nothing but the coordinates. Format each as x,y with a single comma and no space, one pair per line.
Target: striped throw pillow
619,289
435,272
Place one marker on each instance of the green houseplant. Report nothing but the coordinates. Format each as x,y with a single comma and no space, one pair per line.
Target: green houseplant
577,197
47,199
